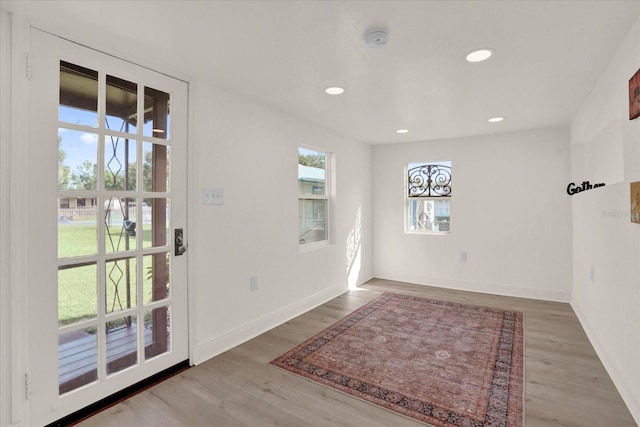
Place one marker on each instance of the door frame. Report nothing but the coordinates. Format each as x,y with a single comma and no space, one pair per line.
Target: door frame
15,204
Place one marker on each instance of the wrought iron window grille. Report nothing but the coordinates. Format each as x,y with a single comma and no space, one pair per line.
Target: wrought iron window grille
429,180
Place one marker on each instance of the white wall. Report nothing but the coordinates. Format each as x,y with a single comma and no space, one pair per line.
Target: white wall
509,212
250,151
603,236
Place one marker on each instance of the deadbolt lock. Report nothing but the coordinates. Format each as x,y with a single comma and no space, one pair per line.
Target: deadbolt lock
178,242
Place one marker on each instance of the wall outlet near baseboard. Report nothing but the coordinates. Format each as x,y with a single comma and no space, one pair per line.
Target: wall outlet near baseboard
253,283
463,256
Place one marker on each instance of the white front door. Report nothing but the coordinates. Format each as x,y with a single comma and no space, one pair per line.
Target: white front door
107,286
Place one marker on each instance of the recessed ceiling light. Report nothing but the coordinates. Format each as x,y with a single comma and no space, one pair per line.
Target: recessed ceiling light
479,55
402,130
334,90
496,119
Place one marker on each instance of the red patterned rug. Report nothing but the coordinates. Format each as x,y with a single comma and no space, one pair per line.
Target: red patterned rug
442,363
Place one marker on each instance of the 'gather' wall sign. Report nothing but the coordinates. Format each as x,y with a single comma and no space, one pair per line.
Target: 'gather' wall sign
573,188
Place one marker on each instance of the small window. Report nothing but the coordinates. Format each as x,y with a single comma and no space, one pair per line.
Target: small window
428,198
313,196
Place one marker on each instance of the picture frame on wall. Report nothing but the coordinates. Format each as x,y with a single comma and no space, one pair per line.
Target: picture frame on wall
634,96
635,202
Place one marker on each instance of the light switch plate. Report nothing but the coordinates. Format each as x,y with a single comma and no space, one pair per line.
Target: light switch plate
213,196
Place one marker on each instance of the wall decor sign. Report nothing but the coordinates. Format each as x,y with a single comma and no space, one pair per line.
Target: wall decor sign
573,188
635,202
634,96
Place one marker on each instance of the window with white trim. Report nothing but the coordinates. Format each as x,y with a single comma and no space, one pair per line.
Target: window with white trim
428,198
313,196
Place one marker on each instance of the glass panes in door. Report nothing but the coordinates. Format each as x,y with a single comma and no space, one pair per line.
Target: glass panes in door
114,302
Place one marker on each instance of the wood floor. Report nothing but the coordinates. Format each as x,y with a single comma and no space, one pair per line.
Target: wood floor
565,383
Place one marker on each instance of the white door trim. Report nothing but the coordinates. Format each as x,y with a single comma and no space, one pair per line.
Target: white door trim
16,205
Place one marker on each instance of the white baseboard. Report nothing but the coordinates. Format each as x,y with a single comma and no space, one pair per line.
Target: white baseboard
485,288
235,337
629,393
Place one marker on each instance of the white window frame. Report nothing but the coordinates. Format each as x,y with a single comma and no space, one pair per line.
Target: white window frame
328,162
408,201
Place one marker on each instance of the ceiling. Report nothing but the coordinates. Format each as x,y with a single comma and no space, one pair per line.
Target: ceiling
548,56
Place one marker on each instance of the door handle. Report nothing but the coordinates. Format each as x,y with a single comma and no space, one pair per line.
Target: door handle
178,242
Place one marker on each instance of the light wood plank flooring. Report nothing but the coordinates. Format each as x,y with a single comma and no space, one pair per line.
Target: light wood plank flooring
565,383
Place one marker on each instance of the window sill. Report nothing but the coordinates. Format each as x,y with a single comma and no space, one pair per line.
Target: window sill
428,233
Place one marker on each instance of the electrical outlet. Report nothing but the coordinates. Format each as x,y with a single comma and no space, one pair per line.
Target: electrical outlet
463,256
253,283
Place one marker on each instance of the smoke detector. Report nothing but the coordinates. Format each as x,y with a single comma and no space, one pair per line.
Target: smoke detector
376,38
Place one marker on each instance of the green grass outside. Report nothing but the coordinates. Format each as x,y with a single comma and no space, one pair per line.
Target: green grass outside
78,286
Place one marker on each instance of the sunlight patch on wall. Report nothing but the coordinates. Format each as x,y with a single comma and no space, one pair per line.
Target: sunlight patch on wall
354,255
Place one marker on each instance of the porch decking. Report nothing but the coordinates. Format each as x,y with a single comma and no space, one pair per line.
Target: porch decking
77,355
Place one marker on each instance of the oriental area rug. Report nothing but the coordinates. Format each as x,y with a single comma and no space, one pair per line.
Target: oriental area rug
442,363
